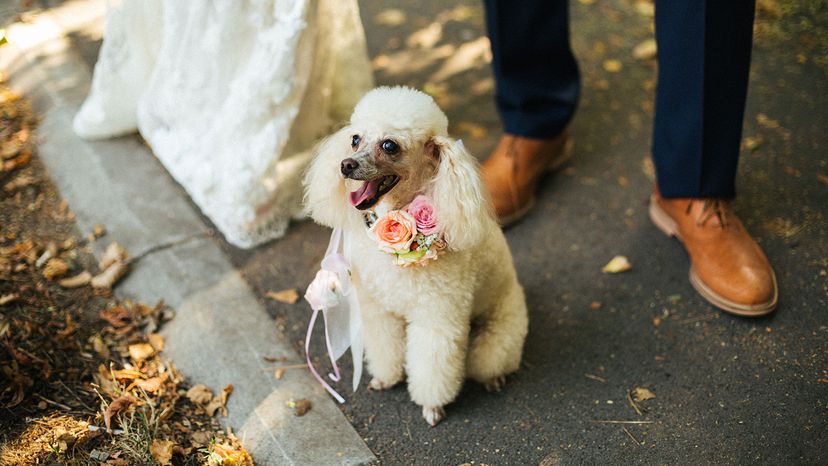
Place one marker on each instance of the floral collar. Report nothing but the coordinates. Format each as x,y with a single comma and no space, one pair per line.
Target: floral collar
411,234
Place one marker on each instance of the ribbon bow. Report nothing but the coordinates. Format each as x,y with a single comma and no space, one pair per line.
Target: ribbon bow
342,320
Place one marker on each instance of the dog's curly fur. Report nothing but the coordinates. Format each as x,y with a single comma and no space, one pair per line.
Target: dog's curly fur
463,315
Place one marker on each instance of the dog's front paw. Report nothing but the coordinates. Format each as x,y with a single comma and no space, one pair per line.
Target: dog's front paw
377,384
495,384
433,415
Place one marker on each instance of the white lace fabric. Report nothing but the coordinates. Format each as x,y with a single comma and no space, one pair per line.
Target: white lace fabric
231,96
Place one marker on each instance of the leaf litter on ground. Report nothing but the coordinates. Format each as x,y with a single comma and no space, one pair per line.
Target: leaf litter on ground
82,374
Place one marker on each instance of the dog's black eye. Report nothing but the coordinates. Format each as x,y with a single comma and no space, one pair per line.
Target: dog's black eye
390,147
355,140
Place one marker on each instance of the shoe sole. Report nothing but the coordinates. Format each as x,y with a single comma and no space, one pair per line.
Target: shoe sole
554,165
669,227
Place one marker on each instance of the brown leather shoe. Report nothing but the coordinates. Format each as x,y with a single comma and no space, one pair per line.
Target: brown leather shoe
727,267
512,171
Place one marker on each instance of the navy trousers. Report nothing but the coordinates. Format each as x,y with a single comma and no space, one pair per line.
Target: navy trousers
704,58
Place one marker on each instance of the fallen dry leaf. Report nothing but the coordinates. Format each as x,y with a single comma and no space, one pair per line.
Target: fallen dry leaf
108,277
750,143
10,148
200,394
141,351
822,178
114,253
118,316
12,164
642,394
766,121
301,407
618,264
20,182
153,384
646,50
280,372
81,279
8,298
289,296
645,8
219,403
118,405
226,454
55,268
612,65
157,341
595,305
125,375
162,451
201,437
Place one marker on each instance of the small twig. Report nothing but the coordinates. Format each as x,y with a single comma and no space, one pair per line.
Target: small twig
631,436
603,421
274,358
595,377
76,397
54,403
633,404
692,320
291,366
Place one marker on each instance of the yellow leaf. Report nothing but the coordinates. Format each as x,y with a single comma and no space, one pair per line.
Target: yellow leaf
642,394
55,268
289,296
612,65
645,50
618,264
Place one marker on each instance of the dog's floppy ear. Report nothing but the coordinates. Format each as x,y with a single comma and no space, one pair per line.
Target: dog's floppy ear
459,199
325,193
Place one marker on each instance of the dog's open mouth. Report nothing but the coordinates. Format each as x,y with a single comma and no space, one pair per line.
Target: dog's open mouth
371,191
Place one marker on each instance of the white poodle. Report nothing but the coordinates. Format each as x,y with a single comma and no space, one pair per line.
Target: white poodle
437,321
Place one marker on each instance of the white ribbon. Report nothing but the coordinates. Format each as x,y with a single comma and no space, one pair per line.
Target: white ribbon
342,320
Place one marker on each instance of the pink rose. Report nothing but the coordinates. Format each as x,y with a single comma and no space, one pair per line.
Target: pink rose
395,231
423,213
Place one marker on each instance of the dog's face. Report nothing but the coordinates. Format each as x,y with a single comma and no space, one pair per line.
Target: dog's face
393,166
396,147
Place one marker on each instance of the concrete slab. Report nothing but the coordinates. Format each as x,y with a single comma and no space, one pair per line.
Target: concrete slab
221,332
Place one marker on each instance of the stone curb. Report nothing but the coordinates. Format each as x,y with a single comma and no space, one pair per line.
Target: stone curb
221,331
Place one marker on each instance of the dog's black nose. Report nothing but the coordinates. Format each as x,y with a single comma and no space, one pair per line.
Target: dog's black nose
348,166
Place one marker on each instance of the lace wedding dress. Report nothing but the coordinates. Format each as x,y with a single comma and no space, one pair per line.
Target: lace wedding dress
231,95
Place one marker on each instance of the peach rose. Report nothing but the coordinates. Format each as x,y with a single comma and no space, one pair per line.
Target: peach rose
423,213
395,231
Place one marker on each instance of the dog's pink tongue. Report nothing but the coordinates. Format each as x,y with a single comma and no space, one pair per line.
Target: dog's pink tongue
366,191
